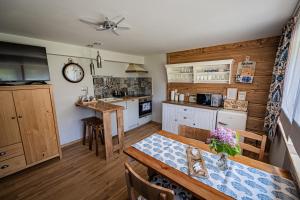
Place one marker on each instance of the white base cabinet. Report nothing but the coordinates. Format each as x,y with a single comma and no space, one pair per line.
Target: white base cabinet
130,115
145,120
175,115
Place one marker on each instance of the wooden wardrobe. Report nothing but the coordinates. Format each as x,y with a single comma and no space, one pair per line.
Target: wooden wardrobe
28,127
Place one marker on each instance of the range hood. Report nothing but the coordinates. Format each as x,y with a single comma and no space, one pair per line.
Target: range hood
132,68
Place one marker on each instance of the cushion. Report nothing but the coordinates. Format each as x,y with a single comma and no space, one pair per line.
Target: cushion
180,192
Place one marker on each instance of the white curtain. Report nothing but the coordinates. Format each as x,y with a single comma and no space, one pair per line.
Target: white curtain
291,96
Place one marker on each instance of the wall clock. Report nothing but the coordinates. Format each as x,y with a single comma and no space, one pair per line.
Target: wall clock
73,72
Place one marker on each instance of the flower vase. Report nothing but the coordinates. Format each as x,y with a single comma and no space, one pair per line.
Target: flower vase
223,161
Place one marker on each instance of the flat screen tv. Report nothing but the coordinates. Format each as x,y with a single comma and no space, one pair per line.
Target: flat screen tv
23,63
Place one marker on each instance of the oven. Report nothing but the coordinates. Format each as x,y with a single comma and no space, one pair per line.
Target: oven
145,107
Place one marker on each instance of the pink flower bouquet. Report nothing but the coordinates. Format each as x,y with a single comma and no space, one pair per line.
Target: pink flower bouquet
224,140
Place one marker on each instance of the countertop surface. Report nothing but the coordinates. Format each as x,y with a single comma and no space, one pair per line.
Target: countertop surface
128,98
191,105
100,106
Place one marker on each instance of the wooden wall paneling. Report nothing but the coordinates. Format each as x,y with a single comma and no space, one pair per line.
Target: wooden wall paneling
9,128
257,110
263,51
255,124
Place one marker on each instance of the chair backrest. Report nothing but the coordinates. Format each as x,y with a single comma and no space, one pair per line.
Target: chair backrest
261,138
136,186
194,133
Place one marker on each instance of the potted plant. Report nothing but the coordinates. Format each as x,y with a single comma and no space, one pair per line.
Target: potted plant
226,143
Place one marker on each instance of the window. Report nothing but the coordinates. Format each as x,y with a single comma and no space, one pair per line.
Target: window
291,92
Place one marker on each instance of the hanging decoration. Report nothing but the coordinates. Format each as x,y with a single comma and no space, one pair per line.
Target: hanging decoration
245,71
92,68
98,60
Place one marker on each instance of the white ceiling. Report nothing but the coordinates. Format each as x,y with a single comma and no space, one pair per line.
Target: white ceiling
157,26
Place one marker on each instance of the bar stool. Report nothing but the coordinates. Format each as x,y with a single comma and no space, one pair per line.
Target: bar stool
91,124
97,133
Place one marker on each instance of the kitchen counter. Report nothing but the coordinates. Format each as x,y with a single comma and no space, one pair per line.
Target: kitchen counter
100,106
191,105
126,98
107,106
107,109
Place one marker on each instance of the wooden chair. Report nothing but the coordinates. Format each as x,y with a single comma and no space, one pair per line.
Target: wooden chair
194,133
137,186
261,138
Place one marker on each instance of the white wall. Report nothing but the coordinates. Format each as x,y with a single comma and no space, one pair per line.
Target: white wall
155,64
73,50
66,93
285,149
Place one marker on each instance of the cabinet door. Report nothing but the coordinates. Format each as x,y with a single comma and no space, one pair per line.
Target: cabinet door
36,121
205,119
170,123
9,131
131,117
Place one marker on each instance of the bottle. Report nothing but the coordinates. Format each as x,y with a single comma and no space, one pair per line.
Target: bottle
181,97
172,95
176,96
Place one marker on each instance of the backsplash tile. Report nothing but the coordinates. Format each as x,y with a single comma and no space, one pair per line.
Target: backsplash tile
104,86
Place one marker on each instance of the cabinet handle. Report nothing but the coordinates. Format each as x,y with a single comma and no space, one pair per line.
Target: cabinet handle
4,166
13,117
184,117
19,116
2,153
175,120
194,124
224,124
185,109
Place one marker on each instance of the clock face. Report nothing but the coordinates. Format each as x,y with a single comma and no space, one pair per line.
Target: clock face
73,72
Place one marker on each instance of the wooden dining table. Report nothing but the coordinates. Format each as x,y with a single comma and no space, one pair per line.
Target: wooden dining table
196,187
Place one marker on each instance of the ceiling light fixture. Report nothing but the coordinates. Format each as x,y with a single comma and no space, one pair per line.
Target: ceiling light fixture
98,57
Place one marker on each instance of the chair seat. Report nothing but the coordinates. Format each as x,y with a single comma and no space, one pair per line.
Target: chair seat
180,193
92,121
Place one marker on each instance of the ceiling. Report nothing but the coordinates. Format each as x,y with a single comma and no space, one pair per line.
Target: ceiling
157,26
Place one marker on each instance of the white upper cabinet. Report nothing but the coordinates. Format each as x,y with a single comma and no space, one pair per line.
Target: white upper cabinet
218,71
180,73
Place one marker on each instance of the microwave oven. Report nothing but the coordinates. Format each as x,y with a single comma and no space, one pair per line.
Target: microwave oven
204,99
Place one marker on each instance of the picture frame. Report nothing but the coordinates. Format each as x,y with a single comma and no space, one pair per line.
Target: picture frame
232,93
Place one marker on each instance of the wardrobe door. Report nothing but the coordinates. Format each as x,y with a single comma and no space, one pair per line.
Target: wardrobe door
9,129
36,121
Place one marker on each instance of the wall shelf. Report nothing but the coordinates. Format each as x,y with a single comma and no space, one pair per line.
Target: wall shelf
218,71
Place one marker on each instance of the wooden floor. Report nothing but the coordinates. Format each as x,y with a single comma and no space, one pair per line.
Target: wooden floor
79,175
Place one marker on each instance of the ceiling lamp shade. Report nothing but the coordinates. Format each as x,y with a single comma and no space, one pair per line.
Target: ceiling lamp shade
133,68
